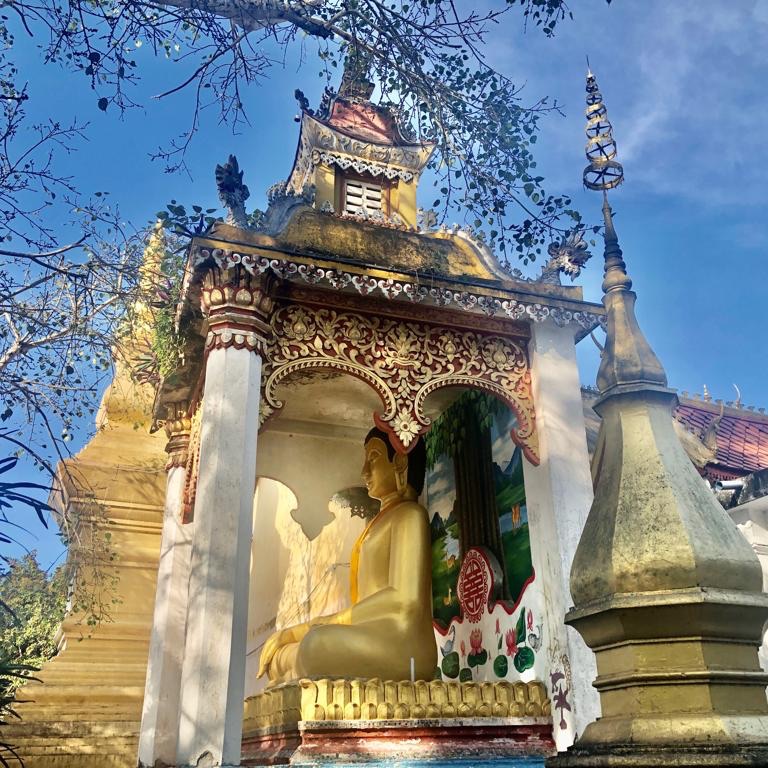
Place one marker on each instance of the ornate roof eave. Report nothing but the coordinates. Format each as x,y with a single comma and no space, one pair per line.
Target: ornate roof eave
516,300
508,306
320,142
454,253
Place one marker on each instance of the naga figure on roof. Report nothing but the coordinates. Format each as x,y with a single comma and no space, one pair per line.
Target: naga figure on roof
232,192
567,256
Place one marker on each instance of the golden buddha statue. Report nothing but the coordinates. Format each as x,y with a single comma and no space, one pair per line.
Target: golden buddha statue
390,619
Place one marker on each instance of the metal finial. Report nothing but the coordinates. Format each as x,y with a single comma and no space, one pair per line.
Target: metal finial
628,359
604,171
737,404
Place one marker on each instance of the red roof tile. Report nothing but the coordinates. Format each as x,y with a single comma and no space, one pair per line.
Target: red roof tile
742,436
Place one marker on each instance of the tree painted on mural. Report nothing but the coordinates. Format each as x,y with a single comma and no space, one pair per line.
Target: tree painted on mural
489,505
463,432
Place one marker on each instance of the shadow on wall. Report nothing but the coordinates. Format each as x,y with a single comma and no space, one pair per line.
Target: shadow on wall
293,578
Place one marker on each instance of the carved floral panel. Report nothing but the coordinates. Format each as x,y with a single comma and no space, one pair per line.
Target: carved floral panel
404,362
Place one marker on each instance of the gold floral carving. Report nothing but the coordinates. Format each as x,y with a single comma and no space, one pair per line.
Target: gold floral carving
192,466
177,428
374,699
404,362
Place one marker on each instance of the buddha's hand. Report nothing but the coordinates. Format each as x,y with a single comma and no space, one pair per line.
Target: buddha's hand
271,647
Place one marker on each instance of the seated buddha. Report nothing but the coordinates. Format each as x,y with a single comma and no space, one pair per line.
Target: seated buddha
390,619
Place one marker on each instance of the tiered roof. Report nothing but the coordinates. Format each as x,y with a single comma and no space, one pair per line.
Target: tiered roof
724,441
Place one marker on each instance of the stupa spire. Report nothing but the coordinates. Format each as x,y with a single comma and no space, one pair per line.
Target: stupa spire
628,358
661,577
355,82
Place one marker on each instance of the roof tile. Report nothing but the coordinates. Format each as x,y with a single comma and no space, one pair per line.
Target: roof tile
742,437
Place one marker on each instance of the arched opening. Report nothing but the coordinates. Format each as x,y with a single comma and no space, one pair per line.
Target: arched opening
309,506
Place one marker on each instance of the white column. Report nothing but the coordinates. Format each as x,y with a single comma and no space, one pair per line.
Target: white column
559,495
160,714
213,677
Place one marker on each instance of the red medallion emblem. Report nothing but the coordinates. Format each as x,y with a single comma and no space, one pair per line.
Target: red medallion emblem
475,585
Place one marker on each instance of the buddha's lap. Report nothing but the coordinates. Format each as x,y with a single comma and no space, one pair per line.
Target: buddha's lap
364,643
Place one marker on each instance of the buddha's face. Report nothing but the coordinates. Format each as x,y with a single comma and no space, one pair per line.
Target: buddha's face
378,471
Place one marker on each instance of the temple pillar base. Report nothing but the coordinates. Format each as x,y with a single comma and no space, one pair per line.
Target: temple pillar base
667,756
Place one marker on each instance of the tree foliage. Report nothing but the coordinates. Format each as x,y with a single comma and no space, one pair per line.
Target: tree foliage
69,265
62,303
427,56
31,607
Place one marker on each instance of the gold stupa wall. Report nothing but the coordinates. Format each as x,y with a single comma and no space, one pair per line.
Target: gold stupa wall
86,709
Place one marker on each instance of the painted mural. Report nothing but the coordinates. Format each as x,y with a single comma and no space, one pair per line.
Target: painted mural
486,606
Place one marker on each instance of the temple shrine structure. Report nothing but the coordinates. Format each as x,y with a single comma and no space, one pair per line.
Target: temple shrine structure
346,529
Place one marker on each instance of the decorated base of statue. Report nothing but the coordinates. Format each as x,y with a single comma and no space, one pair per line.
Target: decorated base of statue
361,720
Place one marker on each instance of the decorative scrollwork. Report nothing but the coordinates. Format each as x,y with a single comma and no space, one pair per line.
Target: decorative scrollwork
361,166
391,289
403,362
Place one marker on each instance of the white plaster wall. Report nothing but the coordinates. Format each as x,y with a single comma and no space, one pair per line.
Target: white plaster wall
301,543
559,494
752,520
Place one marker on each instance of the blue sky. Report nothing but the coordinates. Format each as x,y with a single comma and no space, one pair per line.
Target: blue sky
685,87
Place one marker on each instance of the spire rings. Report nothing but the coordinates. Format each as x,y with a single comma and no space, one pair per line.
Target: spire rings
598,126
603,176
600,148
604,171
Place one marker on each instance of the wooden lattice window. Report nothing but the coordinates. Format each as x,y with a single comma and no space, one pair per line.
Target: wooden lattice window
363,196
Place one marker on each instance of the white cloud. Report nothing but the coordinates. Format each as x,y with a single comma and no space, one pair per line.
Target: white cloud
684,84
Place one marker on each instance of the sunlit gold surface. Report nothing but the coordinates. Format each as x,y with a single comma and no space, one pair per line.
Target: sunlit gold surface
85,710
390,620
301,700
667,592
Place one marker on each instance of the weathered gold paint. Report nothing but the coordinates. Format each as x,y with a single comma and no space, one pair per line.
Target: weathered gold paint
84,709
568,297
85,712
312,230
390,619
285,705
667,592
325,186
406,202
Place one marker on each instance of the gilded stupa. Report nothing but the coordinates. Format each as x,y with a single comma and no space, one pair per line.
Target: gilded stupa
667,592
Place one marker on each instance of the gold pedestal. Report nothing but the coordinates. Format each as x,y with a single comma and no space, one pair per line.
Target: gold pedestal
372,719
286,705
